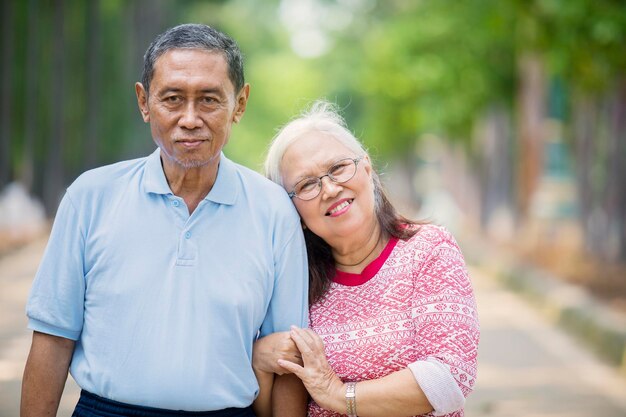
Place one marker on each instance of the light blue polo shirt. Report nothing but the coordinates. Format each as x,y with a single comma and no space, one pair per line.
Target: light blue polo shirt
164,306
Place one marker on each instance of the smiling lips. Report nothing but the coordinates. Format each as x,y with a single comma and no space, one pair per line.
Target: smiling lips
339,208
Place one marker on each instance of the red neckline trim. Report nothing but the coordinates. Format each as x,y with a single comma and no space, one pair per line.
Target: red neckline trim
352,280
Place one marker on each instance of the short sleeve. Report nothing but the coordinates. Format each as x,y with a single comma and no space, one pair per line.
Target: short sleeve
445,316
289,303
56,300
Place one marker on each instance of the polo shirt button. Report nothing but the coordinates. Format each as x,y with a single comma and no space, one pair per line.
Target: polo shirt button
187,235
175,203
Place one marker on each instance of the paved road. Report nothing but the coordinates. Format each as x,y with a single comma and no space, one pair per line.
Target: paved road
526,368
16,274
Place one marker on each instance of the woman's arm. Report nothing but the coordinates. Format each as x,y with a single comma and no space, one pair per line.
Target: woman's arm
397,394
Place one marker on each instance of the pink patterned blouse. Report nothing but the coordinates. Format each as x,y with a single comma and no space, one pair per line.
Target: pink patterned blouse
412,306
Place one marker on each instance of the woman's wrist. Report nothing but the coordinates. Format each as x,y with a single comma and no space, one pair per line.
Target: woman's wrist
351,399
335,399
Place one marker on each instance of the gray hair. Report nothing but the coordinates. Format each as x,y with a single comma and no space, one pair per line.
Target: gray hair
322,117
194,36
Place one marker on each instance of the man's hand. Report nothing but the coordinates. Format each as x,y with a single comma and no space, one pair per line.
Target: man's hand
318,377
45,375
269,349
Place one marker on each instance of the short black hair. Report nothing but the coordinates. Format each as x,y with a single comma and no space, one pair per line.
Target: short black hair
194,36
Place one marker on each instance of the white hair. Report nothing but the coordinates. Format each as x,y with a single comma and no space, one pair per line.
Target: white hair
321,117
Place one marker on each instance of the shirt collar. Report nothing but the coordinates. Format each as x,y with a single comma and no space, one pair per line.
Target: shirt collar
224,191
227,186
154,180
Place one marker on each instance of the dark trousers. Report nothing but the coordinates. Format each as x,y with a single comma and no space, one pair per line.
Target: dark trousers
91,405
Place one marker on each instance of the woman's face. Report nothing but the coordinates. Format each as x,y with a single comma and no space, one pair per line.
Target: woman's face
340,210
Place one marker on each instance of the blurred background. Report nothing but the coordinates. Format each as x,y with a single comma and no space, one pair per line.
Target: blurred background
504,120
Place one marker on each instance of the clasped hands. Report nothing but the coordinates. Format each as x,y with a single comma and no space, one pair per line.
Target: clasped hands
299,351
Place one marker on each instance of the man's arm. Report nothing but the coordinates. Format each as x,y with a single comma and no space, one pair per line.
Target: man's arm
45,375
289,397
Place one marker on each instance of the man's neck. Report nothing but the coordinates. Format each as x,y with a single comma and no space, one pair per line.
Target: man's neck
191,184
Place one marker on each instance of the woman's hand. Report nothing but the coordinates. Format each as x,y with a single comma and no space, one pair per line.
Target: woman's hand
269,349
320,380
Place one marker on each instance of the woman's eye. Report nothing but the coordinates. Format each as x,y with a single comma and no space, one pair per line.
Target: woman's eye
338,168
307,185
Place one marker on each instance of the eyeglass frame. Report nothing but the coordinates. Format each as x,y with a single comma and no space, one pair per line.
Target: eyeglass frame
356,161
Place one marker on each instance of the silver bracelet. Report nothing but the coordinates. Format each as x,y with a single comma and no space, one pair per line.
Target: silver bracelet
351,399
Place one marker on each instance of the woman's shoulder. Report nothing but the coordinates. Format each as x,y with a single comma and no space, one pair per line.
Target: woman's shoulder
429,233
428,239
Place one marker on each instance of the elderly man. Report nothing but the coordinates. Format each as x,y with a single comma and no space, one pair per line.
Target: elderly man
161,272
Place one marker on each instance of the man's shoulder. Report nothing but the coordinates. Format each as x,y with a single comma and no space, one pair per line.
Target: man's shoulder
266,194
259,182
107,176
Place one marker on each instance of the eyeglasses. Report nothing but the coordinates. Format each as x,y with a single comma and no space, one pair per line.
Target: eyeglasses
341,171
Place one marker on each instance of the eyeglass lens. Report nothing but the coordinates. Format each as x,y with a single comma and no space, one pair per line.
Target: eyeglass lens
339,172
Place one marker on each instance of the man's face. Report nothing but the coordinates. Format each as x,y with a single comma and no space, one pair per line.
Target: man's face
191,107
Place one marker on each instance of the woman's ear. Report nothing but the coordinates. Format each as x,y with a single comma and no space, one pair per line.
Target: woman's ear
367,164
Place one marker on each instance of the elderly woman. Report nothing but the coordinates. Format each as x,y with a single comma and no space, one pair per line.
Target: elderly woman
393,323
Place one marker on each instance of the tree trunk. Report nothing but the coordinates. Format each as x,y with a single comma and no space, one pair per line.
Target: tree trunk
616,209
94,54
6,94
497,170
146,19
531,111
586,119
54,178
26,175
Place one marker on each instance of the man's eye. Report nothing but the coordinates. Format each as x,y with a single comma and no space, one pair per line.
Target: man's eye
172,99
208,100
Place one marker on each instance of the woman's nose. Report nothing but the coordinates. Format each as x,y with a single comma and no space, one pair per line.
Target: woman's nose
330,188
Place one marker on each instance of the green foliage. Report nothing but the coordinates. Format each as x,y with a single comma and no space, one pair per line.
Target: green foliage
428,66
399,69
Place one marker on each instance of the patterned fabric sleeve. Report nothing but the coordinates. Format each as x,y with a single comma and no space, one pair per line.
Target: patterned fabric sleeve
444,310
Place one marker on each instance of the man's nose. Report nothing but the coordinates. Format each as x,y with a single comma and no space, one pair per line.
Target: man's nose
190,119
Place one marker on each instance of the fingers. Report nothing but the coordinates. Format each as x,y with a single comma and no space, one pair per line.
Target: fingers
303,340
288,349
290,359
291,368
309,337
268,349
315,339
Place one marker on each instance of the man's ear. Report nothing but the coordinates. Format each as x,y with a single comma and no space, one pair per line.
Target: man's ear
142,101
242,101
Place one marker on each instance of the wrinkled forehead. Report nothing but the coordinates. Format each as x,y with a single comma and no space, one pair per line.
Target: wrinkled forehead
190,61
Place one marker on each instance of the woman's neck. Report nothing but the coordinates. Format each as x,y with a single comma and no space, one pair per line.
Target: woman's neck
355,255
